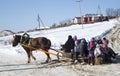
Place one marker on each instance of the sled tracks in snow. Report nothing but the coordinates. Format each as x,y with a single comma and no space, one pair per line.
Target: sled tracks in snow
32,66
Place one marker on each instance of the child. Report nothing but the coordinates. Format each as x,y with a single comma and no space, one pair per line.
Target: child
91,52
77,51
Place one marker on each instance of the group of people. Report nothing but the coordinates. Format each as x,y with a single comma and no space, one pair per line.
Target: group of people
87,49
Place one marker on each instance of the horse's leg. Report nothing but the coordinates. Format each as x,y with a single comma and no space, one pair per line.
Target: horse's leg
48,57
32,55
28,54
29,58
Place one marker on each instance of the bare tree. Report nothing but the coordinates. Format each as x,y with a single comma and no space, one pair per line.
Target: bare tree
113,12
54,25
66,22
109,12
118,12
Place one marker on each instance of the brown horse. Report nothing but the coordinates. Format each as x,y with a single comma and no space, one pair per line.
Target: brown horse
33,44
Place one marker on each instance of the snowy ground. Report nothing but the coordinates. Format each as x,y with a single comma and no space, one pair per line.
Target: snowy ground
13,59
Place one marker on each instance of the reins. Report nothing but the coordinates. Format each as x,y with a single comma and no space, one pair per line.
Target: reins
43,50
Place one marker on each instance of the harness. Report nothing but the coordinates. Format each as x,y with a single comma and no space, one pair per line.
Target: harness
25,38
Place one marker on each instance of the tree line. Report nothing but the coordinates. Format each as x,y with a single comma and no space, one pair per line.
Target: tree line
111,12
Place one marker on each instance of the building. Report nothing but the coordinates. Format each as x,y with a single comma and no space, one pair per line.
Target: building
78,20
88,18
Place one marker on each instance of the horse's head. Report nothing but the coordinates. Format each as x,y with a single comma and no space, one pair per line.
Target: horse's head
16,40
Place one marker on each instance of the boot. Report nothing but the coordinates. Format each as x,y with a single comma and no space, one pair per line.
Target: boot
116,54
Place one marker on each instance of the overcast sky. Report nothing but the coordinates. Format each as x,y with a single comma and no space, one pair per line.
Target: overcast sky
18,15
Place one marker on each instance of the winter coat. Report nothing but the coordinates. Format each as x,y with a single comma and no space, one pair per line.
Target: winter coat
105,43
76,48
83,48
91,53
97,51
69,45
105,46
92,46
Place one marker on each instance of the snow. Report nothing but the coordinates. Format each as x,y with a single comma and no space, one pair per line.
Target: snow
13,59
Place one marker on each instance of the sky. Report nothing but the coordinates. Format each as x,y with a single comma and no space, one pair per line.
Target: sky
21,15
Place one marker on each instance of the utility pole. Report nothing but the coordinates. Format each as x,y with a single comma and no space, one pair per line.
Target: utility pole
38,21
99,10
81,19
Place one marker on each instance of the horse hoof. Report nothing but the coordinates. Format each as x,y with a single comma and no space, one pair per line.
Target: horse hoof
28,62
35,59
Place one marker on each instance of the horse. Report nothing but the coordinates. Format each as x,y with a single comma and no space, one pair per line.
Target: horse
32,45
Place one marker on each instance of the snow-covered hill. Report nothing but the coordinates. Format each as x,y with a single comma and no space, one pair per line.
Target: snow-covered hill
114,37
6,33
13,59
